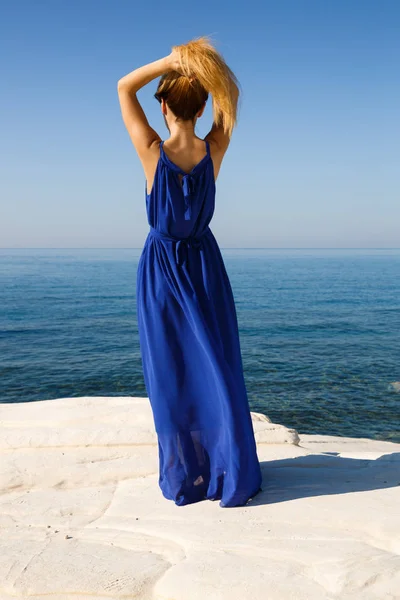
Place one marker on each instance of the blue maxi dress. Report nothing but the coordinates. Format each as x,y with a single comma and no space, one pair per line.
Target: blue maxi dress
189,343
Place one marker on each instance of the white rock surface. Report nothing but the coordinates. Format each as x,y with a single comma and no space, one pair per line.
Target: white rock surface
82,516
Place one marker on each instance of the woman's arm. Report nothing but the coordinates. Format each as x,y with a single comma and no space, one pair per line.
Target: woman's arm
142,135
143,75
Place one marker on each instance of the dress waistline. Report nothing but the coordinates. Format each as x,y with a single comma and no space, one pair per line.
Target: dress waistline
181,243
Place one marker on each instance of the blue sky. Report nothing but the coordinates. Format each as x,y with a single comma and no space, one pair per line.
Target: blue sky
313,162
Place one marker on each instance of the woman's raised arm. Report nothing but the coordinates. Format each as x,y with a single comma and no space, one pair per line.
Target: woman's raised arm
143,136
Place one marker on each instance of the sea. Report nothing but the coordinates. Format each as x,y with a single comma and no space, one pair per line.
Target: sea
319,332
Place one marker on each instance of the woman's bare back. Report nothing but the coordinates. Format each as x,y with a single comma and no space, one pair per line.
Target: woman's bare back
185,158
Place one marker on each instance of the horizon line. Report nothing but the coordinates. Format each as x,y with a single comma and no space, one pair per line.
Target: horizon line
222,247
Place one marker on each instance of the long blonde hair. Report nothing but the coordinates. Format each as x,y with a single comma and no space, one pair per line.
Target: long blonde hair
204,71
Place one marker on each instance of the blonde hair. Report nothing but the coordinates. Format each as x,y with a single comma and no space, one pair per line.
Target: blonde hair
203,71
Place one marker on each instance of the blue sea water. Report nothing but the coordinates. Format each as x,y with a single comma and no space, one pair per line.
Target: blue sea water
319,332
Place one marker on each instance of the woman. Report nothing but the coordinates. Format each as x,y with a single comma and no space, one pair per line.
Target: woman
188,329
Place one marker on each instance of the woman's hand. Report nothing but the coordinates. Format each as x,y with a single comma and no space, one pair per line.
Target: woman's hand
175,65
174,62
